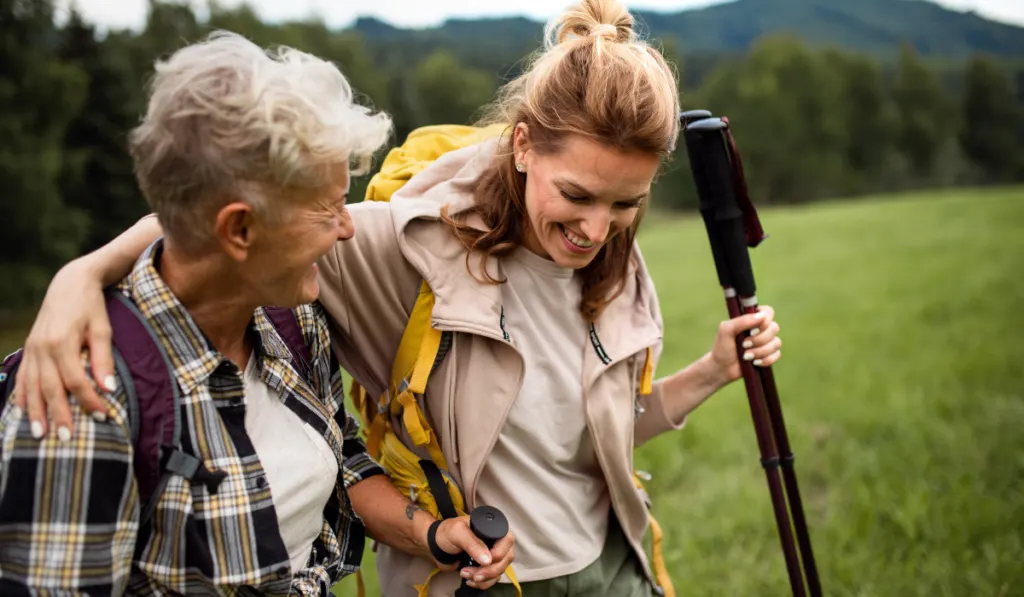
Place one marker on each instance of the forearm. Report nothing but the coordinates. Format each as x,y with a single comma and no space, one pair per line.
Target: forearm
684,391
390,517
114,260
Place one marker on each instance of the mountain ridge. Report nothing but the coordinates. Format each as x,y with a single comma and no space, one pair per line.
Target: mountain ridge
872,26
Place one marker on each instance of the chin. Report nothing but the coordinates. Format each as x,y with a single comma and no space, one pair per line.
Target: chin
310,292
569,259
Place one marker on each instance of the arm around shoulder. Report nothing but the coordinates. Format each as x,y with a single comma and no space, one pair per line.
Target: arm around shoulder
368,289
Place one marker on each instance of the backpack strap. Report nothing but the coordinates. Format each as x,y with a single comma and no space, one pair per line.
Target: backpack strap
154,401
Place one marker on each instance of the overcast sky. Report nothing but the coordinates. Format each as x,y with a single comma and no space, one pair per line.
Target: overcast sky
419,13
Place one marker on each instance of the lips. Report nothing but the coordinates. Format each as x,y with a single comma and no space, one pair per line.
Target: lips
575,242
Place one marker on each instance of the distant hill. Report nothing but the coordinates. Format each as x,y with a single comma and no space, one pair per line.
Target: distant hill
874,26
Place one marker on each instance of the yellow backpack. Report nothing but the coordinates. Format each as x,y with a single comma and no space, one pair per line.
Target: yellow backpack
418,353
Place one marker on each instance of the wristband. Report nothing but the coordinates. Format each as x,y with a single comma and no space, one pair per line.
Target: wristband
439,554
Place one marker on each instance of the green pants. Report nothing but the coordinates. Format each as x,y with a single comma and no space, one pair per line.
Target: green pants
616,573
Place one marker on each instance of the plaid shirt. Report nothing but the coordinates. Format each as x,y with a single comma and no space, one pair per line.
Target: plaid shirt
69,513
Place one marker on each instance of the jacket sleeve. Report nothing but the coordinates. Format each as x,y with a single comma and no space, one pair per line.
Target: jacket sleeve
368,290
68,510
654,420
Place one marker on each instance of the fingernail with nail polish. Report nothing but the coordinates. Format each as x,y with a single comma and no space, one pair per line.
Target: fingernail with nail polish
755,331
466,574
747,344
64,434
37,429
110,382
99,416
758,363
747,356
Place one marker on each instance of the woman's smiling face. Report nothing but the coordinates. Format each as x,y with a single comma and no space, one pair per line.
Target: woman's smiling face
581,196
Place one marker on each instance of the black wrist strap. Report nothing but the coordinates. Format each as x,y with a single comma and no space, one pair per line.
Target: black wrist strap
439,554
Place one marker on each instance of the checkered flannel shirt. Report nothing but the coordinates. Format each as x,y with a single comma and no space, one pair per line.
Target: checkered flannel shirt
69,512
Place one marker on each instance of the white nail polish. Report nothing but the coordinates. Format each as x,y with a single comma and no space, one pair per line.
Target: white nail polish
758,363
15,413
755,331
99,416
37,429
64,434
748,344
759,315
110,382
748,356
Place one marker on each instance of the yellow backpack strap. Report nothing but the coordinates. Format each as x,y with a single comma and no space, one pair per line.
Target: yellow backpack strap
657,553
646,379
417,352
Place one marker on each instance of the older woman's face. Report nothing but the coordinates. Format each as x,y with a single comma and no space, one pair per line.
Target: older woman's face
284,271
579,198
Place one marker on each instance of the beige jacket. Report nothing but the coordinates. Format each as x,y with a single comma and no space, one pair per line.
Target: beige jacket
369,284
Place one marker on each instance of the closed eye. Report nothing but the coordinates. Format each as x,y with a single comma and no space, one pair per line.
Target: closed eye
574,198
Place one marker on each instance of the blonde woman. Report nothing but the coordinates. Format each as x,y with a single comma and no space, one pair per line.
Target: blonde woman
528,244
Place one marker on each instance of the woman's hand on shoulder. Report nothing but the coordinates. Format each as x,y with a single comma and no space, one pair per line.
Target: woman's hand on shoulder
73,316
763,348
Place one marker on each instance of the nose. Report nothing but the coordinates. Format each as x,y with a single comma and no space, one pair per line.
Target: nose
596,224
346,228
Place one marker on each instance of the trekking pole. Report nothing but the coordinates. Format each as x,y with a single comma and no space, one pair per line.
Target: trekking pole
732,226
489,525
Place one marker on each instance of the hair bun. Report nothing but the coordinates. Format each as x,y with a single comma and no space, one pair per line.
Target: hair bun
605,30
608,19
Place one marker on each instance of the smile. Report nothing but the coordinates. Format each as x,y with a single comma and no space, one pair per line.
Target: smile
576,242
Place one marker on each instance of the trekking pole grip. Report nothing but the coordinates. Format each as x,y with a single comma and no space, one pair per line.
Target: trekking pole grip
490,526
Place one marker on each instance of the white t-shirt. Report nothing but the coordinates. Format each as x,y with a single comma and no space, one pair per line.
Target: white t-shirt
543,473
301,469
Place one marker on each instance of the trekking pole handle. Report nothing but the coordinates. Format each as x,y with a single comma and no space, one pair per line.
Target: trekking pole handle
490,525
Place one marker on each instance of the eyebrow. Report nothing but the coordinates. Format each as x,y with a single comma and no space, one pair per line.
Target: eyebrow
583,191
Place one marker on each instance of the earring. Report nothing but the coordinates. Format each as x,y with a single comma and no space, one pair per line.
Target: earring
520,168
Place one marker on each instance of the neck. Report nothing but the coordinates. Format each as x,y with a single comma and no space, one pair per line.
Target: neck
214,298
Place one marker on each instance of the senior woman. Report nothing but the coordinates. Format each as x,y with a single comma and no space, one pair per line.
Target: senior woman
244,157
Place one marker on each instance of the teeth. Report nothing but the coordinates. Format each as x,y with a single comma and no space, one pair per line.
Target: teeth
576,240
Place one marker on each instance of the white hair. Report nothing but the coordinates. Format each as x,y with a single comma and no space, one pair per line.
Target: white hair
227,119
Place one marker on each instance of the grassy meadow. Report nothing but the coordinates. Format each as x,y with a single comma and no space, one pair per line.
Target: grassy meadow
902,391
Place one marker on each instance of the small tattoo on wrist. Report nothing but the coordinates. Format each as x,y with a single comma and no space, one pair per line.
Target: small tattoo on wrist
410,510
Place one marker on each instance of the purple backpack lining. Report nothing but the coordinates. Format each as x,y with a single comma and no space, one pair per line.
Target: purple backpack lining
154,398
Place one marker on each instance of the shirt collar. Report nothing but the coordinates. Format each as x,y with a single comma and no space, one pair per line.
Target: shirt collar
192,355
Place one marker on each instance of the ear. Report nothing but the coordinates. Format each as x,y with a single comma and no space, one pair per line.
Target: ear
234,229
521,142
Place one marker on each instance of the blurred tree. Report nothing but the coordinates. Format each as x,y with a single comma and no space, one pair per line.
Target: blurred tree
923,113
446,92
782,103
39,96
869,120
101,181
989,125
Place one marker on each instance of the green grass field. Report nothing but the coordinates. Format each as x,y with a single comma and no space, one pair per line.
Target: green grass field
903,396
